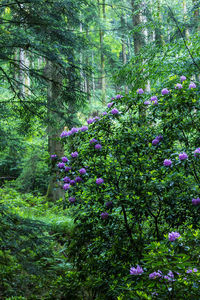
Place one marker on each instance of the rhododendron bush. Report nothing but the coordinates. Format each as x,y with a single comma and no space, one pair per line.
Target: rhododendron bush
132,179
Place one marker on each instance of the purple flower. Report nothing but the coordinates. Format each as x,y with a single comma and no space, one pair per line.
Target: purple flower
74,130
155,142
61,165
114,111
72,199
64,159
64,134
173,236
167,162
66,179
72,182
93,141
98,146
118,96
99,181
96,118
189,271
153,98
136,271
109,204
155,102
183,78
192,85
140,91
196,201
84,128
67,169
66,186
183,156
147,102
104,113
69,133
104,215
159,137
82,171
90,121
155,275
195,270
171,274
165,92
178,86
154,294
110,104
74,154
78,179
197,152
53,156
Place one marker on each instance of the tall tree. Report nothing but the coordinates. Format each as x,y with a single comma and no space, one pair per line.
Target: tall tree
137,22
48,36
102,15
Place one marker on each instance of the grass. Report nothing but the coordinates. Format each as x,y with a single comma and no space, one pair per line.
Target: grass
37,208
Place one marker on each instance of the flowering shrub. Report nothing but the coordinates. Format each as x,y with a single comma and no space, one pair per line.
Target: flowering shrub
140,180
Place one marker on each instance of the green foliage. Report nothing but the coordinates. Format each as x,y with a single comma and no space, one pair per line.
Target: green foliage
178,257
148,198
33,263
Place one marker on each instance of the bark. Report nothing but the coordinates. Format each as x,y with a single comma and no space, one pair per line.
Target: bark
87,77
27,81
137,36
196,15
82,78
185,18
21,72
158,30
124,57
93,79
54,129
102,14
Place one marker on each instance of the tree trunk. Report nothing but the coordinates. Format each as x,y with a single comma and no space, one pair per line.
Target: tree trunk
21,73
93,79
124,57
82,78
185,19
27,81
137,36
102,13
88,73
196,15
158,30
54,129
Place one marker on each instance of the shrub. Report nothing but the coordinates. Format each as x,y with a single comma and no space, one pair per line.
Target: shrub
138,185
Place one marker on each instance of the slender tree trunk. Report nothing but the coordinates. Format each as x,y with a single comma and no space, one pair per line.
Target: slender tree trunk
55,191
27,81
102,14
93,79
137,36
138,40
88,73
21,72
82,78
185,19
16,65
124,57
196,15
158,30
